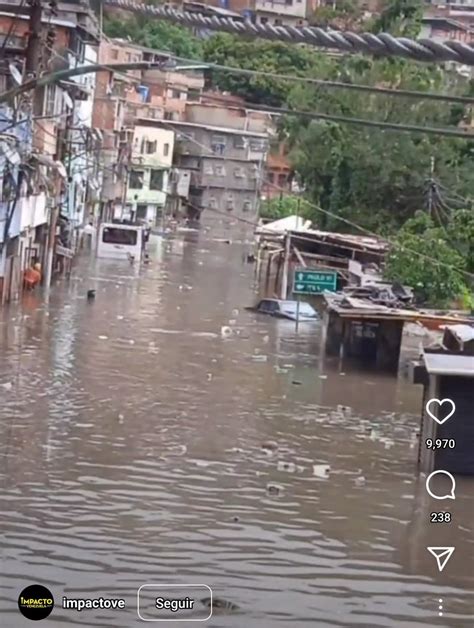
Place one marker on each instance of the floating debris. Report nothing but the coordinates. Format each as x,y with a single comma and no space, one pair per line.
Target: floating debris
226,331
7,385
269,446
323,376
295,382
279,370
259,358
274,489
321,470
289,467
120,317
120,418
232,321
209,377
235,312
360,481
179,450
103,337
266,339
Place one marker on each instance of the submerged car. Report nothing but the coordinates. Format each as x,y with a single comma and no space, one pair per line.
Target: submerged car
286,309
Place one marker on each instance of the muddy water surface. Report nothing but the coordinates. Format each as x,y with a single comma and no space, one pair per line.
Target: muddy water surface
130,453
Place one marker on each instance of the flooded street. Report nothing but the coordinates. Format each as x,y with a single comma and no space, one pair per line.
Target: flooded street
131,452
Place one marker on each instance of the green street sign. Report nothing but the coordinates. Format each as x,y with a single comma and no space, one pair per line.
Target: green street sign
313,281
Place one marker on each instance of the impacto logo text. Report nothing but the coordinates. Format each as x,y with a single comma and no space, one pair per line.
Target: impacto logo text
35,602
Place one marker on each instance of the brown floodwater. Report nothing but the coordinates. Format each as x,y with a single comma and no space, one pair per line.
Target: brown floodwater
130,453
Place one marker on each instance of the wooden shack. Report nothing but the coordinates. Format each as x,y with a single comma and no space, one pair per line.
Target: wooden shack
447,375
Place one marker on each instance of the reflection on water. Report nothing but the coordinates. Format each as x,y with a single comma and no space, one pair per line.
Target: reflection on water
130,444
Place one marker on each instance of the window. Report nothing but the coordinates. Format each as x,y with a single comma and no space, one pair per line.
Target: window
148,147
257,145
113,235
208,169
239,173
114,54
230,203
239,142
218,144
247,206
220,171
213,202
166,149
270,177
278,22
282,180
156,180
263,20
50,106
135,181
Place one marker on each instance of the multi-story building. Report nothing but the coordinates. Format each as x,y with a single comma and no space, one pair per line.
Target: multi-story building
284,12
148,180
224,151
278,177
123,98
36,188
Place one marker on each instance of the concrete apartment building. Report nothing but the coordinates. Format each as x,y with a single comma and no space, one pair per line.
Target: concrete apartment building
45,171
121,100
284,12
148,179
224,150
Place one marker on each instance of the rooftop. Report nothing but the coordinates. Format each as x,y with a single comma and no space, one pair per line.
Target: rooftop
442,364
197,125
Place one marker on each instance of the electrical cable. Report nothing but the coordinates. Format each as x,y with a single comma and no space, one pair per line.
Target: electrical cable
382,44
333,84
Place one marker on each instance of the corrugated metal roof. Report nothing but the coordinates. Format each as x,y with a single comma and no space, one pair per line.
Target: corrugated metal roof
464,333
442,364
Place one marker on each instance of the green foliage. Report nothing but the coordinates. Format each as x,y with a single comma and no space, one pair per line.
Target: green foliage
264,56
156,34
422,258
285,205
399,17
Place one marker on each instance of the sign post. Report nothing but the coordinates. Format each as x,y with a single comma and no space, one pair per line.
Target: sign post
298,300
314,281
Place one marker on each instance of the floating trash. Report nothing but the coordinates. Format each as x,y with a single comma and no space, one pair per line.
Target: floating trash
232,321
235,312
360,481
266,339
7,385
259,358
289,467
226,331
274,489
321,470
103,337
297,383
121,418
269,446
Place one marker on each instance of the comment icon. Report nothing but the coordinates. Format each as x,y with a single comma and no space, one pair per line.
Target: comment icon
441,494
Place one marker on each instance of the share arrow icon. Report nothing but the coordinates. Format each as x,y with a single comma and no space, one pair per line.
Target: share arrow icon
442,555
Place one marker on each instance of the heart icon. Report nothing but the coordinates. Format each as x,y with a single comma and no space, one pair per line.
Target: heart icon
440,403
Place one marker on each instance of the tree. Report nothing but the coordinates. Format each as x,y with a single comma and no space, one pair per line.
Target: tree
421,257
156,34
270,57
287,205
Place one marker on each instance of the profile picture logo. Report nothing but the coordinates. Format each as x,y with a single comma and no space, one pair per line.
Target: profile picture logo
35,602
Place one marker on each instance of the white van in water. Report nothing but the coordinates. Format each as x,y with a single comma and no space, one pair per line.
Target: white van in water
120,241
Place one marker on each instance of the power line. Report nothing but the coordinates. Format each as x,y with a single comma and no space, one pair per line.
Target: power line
382,44
467,100
411,128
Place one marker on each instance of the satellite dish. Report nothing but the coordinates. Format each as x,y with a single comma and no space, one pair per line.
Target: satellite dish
16,74
68,100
